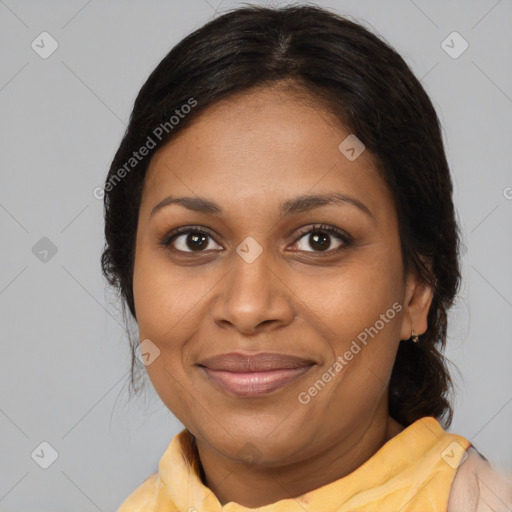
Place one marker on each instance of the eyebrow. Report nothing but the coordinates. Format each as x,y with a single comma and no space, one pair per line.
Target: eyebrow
292,206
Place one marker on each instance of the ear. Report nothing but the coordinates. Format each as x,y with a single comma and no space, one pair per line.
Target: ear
417,301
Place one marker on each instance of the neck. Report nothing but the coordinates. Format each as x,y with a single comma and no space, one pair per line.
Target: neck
257,486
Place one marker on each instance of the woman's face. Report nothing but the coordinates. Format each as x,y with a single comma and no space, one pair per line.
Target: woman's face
265,279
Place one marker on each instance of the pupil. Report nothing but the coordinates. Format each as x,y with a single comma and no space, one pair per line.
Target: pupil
320,236
317,241
202,239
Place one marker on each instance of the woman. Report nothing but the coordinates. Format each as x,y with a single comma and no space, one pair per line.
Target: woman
279,222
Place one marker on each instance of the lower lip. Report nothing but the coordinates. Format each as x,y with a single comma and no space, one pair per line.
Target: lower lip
255,383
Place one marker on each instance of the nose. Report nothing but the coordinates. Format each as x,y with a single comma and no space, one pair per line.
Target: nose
252,296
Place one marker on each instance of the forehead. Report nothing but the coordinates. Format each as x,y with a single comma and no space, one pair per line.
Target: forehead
261,141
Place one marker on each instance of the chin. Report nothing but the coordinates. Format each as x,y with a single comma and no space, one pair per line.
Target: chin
259,446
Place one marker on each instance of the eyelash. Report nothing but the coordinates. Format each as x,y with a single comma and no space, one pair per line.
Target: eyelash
317,228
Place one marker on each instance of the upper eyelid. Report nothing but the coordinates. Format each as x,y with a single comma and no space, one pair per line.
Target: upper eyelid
303,230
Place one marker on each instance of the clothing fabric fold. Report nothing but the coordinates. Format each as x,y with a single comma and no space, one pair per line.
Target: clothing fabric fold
412,472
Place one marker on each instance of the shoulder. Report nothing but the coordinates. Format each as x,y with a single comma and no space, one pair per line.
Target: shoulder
143,496
479,487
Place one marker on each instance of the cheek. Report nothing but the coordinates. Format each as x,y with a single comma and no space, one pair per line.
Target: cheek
163,303
361,307
164,296
354,297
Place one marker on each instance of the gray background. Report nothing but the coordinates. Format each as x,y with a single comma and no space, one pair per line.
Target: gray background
65,361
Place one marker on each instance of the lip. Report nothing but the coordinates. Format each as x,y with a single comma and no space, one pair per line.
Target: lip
255,383
264,361
254,374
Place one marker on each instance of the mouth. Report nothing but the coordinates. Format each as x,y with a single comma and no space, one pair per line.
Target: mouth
254,375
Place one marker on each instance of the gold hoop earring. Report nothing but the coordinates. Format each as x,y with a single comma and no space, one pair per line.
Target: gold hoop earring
414,337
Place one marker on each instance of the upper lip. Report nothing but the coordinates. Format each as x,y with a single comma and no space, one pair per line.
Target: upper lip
239,362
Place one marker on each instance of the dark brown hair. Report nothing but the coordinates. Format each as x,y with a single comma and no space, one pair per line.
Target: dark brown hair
370,88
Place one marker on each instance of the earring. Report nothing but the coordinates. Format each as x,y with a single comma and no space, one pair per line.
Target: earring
414,337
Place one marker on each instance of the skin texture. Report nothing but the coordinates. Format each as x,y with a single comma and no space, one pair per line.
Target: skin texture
249,154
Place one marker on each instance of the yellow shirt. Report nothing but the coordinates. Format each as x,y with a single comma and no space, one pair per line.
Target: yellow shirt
412,472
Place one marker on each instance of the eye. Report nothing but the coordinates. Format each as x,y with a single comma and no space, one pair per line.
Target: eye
319,238
189,239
